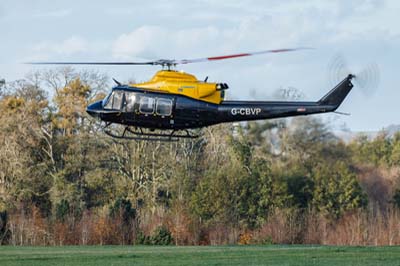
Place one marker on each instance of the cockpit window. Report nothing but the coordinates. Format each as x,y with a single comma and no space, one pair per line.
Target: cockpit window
147,105
108,101
118,97
115,100
164,107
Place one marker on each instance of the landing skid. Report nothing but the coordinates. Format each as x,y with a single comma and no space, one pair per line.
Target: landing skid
142,134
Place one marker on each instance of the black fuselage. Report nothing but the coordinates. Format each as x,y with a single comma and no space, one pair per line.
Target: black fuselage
136,107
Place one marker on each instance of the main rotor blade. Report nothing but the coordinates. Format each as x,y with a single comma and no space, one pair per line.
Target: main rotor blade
91,63
214,58
169,62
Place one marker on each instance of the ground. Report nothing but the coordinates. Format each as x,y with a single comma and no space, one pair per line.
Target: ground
199,255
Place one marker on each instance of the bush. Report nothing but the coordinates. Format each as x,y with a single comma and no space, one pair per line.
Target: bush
267,241
142,239
245,239
162,236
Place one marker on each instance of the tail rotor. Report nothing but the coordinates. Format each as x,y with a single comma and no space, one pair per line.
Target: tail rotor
366,79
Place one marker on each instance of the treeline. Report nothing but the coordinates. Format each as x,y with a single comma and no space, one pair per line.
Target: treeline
62,181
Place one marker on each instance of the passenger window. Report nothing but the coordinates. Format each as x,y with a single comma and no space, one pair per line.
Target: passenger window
164,107
130,101
147,105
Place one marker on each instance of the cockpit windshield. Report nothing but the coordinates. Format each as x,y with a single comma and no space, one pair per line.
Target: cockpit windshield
115,101
105,100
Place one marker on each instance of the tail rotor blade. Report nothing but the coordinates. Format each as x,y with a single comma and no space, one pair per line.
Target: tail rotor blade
367,79
337,70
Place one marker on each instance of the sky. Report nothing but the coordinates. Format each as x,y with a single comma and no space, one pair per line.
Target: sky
362,31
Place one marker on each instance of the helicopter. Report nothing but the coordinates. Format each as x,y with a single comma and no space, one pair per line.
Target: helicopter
174,102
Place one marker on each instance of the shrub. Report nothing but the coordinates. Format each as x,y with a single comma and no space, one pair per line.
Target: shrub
142,239
162,236
245,239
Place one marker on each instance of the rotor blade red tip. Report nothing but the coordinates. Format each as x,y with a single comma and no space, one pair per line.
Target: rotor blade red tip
213,58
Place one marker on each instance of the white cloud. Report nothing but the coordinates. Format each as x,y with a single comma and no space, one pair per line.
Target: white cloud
66,47
251,34
253,26
152,41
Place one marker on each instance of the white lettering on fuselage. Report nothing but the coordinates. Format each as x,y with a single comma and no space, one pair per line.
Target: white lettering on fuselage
245,111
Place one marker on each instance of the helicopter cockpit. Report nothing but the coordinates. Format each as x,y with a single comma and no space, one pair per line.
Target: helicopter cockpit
129,101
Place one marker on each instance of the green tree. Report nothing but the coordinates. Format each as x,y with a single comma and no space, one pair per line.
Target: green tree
300,190
336,190
395,155
376,152
71,102
239,190
23,161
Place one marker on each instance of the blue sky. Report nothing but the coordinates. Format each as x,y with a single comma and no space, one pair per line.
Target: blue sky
362,31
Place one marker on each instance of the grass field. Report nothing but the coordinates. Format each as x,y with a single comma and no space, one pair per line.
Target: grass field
210,255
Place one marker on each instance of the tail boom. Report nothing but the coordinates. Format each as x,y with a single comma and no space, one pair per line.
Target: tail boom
230,111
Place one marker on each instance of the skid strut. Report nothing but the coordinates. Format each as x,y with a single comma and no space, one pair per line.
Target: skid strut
141,134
